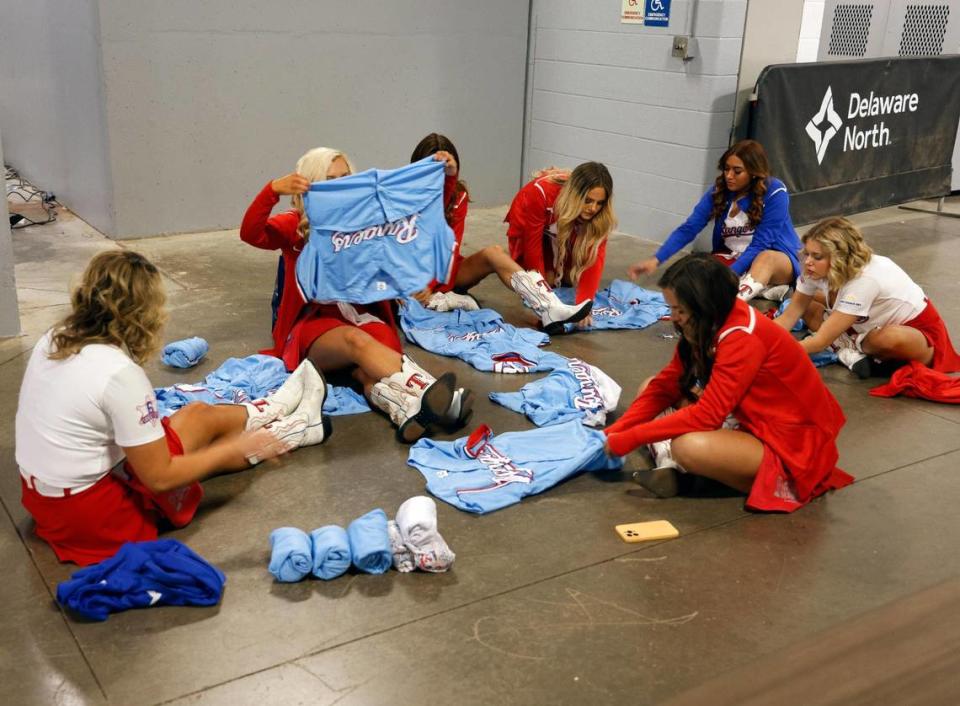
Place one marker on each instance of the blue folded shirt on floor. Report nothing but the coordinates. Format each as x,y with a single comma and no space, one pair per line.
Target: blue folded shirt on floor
331,551
484,472
185,353
291,554
142,574
370,542
622,305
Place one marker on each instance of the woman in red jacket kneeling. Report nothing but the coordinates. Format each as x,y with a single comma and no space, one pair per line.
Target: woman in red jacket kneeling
740,402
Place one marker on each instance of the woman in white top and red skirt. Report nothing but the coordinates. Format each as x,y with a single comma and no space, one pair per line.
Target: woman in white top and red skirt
864,306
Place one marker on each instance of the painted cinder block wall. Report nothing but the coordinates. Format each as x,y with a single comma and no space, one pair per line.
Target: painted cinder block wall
611,92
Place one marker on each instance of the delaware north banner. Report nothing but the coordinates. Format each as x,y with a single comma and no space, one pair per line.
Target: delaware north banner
850,136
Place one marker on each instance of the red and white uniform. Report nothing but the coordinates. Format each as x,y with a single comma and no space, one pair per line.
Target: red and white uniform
532,236
882,294
455,204
299,324
73,417
763,377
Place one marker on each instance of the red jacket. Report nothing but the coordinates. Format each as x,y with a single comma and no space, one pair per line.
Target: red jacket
455,204
530,216
280,233
765,379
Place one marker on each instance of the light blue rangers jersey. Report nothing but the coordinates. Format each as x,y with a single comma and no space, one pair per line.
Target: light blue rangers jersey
481,338
622,305
577,391
240,380
482,473
379,234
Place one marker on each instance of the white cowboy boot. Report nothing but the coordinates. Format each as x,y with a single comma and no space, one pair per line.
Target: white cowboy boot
319,426
413,399
776,293
663,479
538,295
749,287
281,403
851,356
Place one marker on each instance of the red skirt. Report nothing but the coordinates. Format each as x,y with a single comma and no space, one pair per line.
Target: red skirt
93,524
321,318
929,323
773,489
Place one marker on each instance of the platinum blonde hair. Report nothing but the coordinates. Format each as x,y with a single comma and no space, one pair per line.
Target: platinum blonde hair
313,166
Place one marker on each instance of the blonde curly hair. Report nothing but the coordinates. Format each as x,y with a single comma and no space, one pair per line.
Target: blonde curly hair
313,166
119,301
569,204
844,243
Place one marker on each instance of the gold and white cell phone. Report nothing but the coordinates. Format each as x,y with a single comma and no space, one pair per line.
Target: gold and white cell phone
646,531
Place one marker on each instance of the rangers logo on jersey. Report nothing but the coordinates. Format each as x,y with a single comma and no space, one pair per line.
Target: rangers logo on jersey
472,336
511,363
501,466
590,397
404,230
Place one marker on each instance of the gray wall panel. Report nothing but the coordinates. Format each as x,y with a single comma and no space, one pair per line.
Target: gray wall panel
51,104
207,101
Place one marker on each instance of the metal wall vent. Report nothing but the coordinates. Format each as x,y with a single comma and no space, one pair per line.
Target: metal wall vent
924,27
850,31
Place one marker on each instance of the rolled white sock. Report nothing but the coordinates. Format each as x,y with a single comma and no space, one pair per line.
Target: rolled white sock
417,522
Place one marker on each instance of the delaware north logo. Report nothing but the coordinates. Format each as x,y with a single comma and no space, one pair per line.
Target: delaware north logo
824,125
857,136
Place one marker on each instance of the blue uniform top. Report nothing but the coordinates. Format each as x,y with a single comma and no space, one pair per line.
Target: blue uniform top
376,235
482,472
774,231
622,305
577,391
481,338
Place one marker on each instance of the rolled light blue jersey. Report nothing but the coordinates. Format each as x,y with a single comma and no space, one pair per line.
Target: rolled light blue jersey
379,234
577,391
622,305
481,338
482,473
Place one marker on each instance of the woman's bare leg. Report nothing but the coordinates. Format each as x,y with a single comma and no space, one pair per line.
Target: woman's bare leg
772,267
347,346
199,424
730,457
491,260
898,343
813,315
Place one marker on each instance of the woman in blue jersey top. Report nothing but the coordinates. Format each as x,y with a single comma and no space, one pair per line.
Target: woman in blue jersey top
752,230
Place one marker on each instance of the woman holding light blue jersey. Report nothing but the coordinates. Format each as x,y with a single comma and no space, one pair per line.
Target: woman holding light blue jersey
340,335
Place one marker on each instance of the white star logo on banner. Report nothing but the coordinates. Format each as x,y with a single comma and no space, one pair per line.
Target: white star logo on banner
824,125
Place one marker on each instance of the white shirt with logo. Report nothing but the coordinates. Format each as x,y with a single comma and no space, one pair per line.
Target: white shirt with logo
881,295
737,231
75,414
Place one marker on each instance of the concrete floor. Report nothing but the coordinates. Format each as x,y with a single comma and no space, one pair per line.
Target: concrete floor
545,603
